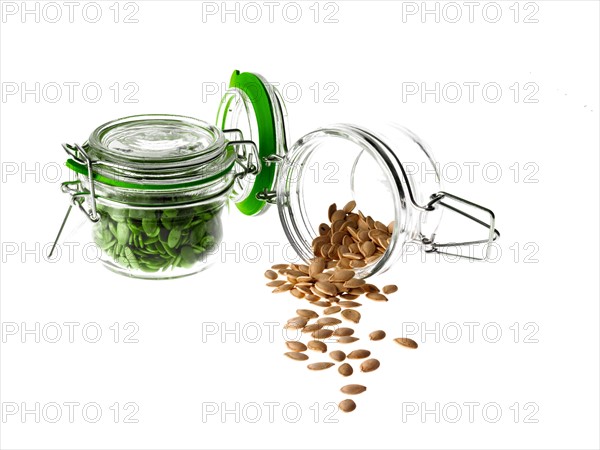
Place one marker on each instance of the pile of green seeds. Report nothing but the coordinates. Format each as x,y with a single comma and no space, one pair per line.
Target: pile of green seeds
153,240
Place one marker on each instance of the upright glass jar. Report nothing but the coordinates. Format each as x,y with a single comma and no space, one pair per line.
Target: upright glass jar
155,186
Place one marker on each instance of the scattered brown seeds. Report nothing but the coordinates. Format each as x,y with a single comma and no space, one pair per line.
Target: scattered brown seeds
309,314
297,356
296,346
322,334
347,405
342,275
320,365
351,315
317,346
332,310
353,389
368,288
369,365
312,327
343,332
346,370
337,355
377,335
347,339
283,288
349,207
390,289
377,296
354,283
406,342
328,321
326,287
349,304
359,354
321,303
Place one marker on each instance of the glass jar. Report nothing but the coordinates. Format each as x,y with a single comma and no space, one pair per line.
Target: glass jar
156,186
158,189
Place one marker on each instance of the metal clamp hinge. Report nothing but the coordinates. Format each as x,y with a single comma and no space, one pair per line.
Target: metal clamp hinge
493,233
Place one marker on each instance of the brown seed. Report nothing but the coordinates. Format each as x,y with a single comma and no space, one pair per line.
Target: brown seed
271,275
341,250
297,356
380,226
363,235
377,335
346,370
343,332
315,291
309,314
359,354
317,346
390,289
328,321
357,264
377,296
320,365
316,266
354,283
370,222
321,303
331,264
326,287
296,322
279,266
406,342
322,334
337,238
296,346
296,293
324,229
342,275
322,277
305,290
349,296
332,310
340,214
353,389
369,288
369,365
337,355
283,288
275,283
331,210
351,315
312,327
356,291
349,207
347,405
347,339
336,226
349,304
367,248
391,226
352,256
372,259
312,297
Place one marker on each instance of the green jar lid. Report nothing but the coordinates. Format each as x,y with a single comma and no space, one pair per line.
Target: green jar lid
254,107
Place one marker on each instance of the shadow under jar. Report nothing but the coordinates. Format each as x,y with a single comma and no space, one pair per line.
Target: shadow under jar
160,185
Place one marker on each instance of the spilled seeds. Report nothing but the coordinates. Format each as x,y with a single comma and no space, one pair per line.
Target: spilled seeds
330,287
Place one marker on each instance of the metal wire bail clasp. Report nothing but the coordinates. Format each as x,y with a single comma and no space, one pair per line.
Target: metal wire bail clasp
75,189
493,233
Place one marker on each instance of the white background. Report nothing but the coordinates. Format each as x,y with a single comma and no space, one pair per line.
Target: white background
545,281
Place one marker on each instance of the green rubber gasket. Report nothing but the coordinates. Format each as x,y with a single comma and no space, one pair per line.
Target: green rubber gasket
258,95
83,170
